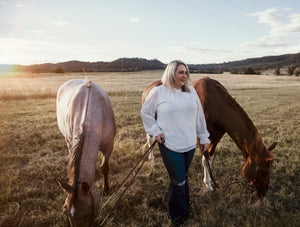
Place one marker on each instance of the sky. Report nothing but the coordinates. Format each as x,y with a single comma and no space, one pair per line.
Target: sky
194,31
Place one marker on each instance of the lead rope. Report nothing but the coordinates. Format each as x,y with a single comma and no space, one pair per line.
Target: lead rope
141,162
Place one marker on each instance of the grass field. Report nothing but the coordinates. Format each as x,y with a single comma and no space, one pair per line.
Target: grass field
33,154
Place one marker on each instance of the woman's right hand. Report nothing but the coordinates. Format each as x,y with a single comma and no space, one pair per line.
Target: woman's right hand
160,138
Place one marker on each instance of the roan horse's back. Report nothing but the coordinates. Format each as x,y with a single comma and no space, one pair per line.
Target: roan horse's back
86,119
76,99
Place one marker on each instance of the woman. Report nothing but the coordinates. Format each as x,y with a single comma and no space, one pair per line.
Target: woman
180,120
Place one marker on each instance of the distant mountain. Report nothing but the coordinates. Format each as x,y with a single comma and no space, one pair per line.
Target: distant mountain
138,64
119,65
263,63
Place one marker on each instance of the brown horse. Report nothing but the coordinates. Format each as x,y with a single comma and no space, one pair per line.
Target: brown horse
224,114
86,119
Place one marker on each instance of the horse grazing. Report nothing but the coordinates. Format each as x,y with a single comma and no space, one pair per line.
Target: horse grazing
86,119
223,114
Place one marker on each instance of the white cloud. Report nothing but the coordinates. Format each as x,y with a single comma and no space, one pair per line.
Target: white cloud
196,50
294,26
283,29
36,31
19,5
134,20
269,17
196,55
262,44
25,51
60,23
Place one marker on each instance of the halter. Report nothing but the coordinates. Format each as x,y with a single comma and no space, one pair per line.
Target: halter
92,215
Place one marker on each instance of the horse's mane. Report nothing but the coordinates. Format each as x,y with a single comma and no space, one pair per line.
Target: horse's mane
76,152
259,147
74,164
75,158
233,103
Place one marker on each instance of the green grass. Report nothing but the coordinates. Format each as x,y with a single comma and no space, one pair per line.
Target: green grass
33,154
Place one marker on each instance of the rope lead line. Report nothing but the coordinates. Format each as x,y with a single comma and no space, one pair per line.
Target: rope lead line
141,163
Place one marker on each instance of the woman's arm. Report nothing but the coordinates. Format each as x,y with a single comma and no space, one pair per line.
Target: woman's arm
148,113
201,127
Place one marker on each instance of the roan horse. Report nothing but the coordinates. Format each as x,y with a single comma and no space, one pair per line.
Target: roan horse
224,115
86,119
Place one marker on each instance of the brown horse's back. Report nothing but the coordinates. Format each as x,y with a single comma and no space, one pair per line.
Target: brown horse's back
149,88
222,112
211,94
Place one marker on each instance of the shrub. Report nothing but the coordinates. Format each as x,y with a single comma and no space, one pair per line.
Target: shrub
79,70
277,72
37,70
249,71
297,72
234,71
290,70
57,70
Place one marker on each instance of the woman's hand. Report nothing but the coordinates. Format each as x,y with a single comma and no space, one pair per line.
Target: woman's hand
204,147
160,138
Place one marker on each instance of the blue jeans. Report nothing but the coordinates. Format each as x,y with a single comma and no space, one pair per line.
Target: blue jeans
177,165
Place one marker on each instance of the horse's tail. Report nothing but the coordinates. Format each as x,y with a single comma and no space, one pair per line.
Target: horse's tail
88,84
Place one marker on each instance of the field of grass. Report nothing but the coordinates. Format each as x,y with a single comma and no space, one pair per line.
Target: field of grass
33,154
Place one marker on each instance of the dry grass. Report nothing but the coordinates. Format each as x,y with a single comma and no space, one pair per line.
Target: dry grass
33,154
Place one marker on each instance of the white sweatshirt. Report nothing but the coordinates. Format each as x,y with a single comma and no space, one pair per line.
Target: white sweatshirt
180,117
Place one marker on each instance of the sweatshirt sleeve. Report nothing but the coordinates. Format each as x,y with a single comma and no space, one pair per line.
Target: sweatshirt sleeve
148,113
201,127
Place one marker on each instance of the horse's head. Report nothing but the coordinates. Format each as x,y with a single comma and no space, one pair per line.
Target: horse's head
257,170
81,206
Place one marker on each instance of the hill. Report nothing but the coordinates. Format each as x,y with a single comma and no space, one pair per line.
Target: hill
138,64
119,65
263,63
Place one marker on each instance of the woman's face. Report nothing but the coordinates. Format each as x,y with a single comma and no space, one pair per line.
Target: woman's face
181,75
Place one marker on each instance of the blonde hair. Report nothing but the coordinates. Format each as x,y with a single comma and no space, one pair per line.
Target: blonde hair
169,74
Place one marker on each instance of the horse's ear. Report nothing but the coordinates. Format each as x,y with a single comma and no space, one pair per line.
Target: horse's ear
85,187
65,186
272,146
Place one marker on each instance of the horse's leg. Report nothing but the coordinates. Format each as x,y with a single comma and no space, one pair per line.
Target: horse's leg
148,144
151,155
214,141
206,178
106,151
